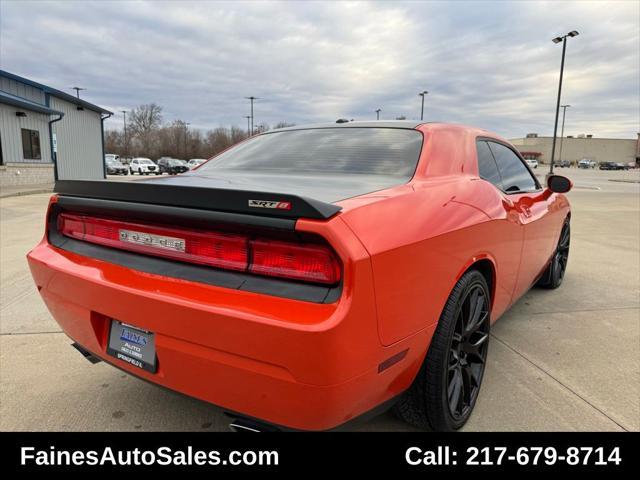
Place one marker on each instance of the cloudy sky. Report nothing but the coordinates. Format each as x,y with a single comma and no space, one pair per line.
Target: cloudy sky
488,64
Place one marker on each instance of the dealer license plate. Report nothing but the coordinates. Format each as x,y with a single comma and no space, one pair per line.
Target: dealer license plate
132,345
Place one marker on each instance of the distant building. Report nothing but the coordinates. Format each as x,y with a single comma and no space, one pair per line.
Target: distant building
47,134
576,148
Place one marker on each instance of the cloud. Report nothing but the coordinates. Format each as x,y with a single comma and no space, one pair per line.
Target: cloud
486,64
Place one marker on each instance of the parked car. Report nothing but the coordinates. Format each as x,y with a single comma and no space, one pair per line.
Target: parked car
114,167
300,292
143,166
111,157
172,166
195,162
532,162
562,164
611,166
586,163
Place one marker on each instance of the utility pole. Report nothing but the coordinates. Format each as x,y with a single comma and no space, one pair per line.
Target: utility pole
186,134
378,113
124,125
248,117
77,89
251,98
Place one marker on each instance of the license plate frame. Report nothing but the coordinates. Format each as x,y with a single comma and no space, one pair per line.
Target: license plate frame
133,345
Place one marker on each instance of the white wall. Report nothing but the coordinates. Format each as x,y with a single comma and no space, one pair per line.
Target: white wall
11,134
79,138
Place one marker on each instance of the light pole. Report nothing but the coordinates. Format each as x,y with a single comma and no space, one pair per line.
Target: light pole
251,98
124,125
77,89
564,112
248,117
563,39
422,94
378,113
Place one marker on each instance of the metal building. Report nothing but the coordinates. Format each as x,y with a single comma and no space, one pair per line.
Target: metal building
47,134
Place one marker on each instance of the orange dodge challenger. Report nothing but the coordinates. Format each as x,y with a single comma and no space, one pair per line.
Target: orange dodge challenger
309,275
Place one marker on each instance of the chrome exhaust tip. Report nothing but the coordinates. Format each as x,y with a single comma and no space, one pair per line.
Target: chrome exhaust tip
241,425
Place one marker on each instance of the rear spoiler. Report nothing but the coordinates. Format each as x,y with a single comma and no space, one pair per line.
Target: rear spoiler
279,205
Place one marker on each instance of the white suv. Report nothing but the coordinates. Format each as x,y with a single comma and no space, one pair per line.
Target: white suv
532,162
143,166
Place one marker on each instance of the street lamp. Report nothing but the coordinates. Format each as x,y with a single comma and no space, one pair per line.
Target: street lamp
251,98
422,94
124,124
378,113
563,39
564,112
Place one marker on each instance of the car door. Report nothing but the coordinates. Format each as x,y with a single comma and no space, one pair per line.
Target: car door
507,231
522,188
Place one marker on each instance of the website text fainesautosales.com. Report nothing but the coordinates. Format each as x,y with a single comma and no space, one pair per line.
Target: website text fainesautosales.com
136,456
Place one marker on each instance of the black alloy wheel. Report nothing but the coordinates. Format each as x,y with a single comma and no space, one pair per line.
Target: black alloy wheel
554,274
561,257
445,390
468,353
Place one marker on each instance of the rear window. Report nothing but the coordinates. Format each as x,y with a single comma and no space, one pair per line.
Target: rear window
376,151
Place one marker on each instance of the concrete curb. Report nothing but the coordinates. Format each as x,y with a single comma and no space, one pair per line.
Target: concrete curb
620,180
21,193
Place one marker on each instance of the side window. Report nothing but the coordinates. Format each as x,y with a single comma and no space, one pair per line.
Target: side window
487,165
31,144
515,176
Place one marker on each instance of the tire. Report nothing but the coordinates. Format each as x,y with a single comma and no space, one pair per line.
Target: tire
554,273
444,393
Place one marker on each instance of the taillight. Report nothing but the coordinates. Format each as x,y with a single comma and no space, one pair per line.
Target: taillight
207,248
313,263
297,261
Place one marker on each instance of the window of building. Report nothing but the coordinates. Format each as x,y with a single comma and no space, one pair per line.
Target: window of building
515,176
31,144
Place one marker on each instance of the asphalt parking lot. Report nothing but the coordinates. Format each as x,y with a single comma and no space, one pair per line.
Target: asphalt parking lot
567,359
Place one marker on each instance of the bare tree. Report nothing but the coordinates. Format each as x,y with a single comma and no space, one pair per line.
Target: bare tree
113,142
144,122
283,125
149,137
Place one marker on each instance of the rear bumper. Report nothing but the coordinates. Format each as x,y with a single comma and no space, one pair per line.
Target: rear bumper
292,363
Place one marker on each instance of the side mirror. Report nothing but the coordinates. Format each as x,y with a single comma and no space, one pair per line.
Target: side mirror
559,184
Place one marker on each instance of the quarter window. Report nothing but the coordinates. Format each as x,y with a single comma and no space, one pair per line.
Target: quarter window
487,165
515,176
31,144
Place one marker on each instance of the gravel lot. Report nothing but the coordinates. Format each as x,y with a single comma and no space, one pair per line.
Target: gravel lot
559,360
